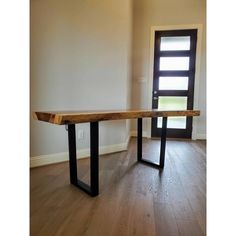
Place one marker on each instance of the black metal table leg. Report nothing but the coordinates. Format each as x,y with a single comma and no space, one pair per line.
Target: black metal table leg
94,164
93,189
162,149
163,142
72,154
139,139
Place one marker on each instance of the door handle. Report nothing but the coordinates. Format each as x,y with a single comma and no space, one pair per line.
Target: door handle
155,98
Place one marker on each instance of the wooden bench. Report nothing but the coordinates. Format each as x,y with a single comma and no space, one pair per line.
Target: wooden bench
71,118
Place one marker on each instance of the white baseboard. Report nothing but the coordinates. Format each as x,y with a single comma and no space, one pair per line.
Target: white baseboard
134,134
64,156
201,136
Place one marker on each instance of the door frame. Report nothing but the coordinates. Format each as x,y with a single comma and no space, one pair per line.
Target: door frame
197,69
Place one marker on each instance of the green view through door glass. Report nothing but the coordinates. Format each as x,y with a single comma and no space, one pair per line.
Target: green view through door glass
173,83
174,63
172,103
175,43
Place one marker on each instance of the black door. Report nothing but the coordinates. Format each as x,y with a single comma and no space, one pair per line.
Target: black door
173,80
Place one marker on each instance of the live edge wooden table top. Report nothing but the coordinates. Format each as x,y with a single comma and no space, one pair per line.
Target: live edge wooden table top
71,118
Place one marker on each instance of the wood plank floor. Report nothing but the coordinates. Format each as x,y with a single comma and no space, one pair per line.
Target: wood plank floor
135,199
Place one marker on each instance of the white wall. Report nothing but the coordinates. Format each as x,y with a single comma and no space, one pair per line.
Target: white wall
148,13
80,59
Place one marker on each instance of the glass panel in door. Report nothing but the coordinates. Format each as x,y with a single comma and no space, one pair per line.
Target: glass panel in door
174,63
173,83
172,103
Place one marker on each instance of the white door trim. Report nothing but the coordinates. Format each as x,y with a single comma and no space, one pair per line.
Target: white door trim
197,72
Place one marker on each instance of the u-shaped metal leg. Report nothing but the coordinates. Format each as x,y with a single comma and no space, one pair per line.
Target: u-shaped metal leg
162,148
93,189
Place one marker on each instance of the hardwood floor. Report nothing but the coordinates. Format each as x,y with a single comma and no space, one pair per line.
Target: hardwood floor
134,199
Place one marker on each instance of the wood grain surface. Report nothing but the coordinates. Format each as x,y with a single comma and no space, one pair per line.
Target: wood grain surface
134,199
72,117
